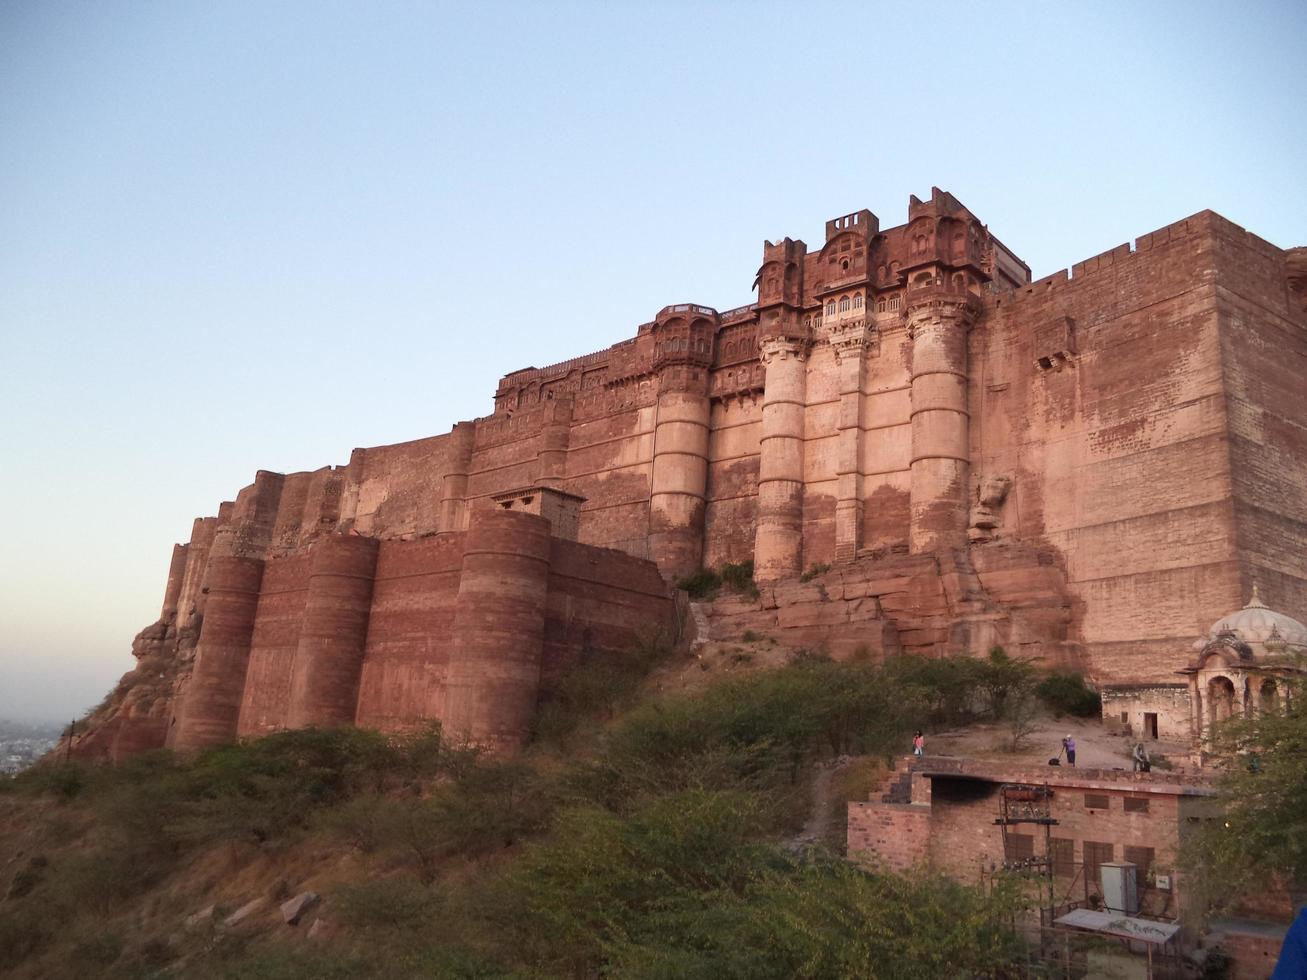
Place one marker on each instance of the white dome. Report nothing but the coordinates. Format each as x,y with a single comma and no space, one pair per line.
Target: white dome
1255,623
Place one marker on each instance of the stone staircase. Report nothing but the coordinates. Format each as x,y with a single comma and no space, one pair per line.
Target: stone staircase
897,787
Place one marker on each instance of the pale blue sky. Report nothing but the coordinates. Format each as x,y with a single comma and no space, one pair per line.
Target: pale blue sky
244,235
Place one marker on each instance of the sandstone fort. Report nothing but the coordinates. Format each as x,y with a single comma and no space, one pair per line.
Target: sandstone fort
1090,469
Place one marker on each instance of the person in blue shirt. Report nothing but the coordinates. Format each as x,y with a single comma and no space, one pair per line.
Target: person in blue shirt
1292,964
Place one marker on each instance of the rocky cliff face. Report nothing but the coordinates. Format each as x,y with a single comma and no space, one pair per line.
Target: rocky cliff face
959,602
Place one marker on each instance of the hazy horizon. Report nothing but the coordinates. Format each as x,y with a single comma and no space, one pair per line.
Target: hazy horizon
246,236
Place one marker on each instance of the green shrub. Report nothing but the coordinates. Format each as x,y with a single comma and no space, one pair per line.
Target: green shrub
1065,693
706,583
738,577
703,584
1004,681
397,903
595,688
814,572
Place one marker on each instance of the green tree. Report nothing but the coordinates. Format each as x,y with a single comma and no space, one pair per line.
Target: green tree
1259,833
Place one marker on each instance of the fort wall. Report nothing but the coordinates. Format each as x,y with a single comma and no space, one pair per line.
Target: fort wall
1084,469
456,627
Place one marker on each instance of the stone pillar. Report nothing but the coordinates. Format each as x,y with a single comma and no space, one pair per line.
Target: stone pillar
778,542
849,342
938,321
172,593
453,486
679,482
324,682
555,435
497,639
211,702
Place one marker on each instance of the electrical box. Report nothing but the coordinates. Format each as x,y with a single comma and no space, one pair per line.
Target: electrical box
1120,887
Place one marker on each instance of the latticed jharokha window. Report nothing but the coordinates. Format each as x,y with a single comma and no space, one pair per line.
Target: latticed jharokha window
830,308
844,304
1062,851
857,301
1096,855
1141,857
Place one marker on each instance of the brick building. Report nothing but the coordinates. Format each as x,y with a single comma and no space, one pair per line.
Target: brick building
1060,827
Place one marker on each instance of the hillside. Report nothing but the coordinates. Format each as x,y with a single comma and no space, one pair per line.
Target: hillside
677,815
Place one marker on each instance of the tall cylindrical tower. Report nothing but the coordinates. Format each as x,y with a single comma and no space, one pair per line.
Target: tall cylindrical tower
939,317
176,575
778,542
683,337
211,701
453,486
555,436
324,684
493,678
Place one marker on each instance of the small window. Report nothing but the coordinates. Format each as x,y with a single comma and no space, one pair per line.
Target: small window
893,302
844,304
1019,847
1125,717
1142,858
1136,804
1097,853
857,301
1062,852
830,308
1096,801
880,306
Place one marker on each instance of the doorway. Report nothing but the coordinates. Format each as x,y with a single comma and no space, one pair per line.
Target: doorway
1150,724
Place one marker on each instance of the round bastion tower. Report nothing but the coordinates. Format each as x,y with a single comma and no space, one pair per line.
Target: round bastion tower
939,316
211,707
493,679
683,340
783,343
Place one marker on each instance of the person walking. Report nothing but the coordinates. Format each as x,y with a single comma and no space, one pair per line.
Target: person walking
1069,747
918,744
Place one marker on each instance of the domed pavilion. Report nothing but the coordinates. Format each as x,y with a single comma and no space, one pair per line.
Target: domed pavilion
1241,665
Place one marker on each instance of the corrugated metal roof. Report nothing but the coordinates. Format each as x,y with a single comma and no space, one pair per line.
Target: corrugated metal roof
1124,926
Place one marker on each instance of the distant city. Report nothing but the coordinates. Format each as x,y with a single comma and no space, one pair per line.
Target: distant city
22,743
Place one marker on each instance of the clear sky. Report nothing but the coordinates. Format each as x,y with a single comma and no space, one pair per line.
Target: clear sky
256,235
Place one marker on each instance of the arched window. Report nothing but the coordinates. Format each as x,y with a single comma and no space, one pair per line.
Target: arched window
880,306
1221,702
844,304
1270,697
857,301
830,308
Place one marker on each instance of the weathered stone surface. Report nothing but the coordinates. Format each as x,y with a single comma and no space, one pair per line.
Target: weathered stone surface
244,912
293,909
196,919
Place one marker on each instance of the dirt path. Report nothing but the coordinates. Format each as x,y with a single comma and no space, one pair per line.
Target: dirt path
820,822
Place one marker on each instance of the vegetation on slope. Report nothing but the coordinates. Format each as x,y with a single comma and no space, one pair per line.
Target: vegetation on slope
646,841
